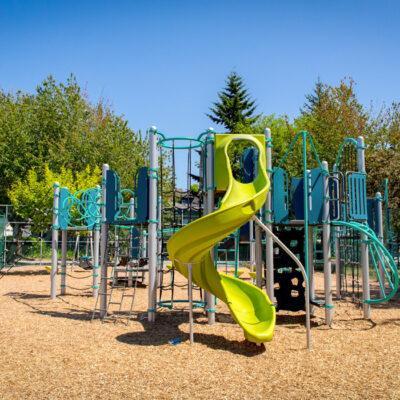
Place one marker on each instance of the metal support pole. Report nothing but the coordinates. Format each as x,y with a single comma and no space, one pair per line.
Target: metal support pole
54,242
152,238
258,250
103,245
190,292
364,245
311,262
96,250
129,266
326,243
337,241
209,187
269,243
252,248
96,256
64,237
379,224
306,202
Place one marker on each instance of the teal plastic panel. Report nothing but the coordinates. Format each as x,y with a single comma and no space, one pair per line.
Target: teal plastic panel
357,195
92,214
280,197
64,207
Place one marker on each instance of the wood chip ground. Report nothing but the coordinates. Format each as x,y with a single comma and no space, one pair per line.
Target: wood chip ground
51,350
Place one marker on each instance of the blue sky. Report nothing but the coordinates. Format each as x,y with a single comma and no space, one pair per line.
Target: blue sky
162,62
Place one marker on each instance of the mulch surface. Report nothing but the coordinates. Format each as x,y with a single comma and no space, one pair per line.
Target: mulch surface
52,350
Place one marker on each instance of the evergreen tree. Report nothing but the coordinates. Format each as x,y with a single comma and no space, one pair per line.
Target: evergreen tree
235,108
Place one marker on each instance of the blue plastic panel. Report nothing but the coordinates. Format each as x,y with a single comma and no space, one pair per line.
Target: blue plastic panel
280,197
317,196
245,232
334,205
297,197
357,195
142,196
64,206
249,164
112,195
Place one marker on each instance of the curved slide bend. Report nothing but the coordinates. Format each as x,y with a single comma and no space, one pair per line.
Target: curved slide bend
250,306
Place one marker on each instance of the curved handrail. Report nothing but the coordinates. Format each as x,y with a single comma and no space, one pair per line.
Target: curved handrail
387,259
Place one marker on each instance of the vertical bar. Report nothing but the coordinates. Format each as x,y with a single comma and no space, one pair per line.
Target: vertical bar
209,179
337,241
237,249
96,254
159,242
379,224
326,243
190,289
130,247
311,262
64,236
103,244
258,250
96,248
152,235
252,248
364,246
269,243
305,200
54,242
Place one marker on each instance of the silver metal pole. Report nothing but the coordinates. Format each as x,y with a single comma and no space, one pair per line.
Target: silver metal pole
129,266
209,183
311,261
337,242
252,248
379,223
269,243
96,253
190,290
103,245
364,246
303,271
54,242
259,263
64,237
152,235
326,243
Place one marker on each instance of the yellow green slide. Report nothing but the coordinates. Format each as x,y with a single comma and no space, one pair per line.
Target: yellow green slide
250,306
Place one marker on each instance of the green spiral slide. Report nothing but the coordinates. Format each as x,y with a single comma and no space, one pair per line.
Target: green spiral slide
250,306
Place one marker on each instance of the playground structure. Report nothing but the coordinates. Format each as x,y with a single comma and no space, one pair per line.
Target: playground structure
282,225
75,212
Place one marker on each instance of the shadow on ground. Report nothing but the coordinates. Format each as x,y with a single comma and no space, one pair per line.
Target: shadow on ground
167,328
77,313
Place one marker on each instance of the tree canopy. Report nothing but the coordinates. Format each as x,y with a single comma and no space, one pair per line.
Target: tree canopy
59,129
234,107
